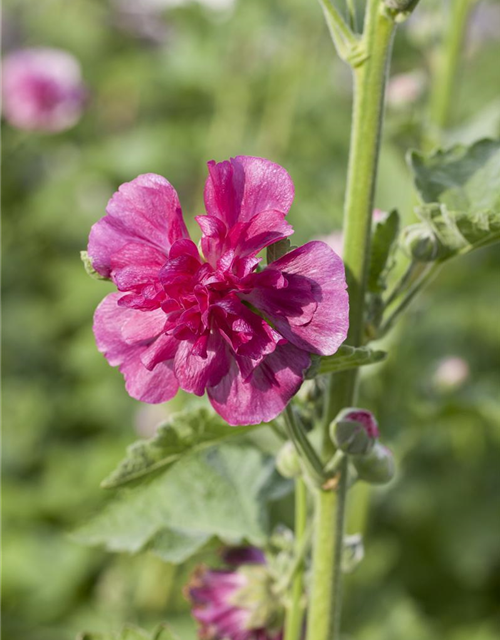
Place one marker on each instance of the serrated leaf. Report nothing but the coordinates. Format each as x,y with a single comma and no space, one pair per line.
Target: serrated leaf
465,179
181,434
217,492
177,546
348,358
277,250
461,189
459,232
385,234
87,264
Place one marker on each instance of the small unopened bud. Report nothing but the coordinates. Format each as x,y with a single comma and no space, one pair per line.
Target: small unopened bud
420,243
377,467
354,431
288,461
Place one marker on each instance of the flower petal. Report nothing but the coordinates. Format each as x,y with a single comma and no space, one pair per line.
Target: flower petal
312,312
144,211
265,228
239,188
110,321
195,372
262,396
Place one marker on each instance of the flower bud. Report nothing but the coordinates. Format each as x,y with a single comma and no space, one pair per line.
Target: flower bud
420,243
288,461
377,467
354,431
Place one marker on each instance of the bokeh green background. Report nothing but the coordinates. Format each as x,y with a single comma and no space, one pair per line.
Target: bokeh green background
169,89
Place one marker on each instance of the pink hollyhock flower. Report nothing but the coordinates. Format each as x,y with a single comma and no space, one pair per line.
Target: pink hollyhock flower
42,90
215,323
237,603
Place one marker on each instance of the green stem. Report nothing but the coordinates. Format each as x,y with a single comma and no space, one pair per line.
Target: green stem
295,611
369,88
446,67
424,280
339,547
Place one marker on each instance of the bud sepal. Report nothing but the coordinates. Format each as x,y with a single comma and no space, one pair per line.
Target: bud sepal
354,431
378,467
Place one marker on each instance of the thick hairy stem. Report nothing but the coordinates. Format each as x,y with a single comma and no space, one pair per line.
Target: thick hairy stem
295,612
369,87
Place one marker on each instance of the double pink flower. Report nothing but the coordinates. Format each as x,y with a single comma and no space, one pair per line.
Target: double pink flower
215,323
42,89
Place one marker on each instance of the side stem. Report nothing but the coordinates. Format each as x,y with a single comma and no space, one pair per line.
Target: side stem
369,89
446,67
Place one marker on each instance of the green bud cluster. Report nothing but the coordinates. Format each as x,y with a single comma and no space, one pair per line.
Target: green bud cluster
355,433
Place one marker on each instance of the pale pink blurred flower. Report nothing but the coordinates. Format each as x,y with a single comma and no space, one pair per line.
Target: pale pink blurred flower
405,88
42,90
335,240
452,372
378,215
148,417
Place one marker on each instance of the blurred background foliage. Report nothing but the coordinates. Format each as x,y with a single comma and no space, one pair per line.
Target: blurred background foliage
171,85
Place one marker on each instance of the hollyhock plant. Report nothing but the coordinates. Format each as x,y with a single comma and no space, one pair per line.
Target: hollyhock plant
42,90
236,603
215,322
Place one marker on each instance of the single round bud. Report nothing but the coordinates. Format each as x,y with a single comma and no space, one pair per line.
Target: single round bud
378,467
354,431
288,461
420,243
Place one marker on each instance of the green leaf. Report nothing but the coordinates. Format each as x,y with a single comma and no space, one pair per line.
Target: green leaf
277,250
87,264
465,179
176,546
218,492
348,358
181,434
457,232
385,234
460,187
